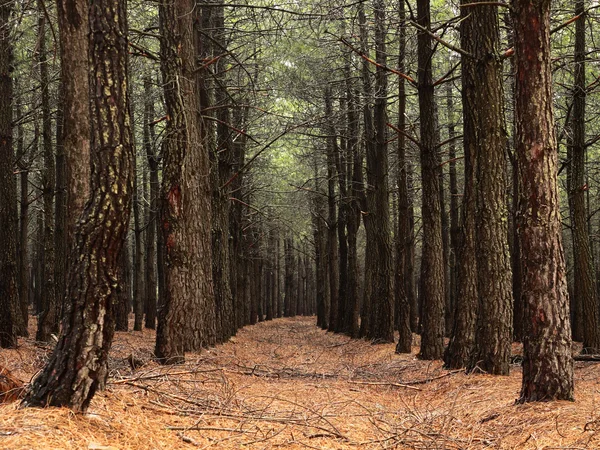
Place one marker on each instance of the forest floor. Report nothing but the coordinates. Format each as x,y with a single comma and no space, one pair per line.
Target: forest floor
288,384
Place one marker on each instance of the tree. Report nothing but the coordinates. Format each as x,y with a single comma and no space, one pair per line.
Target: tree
493,337
186,319
153,230
50,316
548,362
73,150
403,238
585,289
379,292
8,189
432,259
78,365
462,336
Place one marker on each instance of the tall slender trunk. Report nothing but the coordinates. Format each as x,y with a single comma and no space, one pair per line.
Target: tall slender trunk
9,299
48,320
462,337
332,241
402,234
432,259
454,209
152,229
353,216
23,163
379,295
585,289
138,256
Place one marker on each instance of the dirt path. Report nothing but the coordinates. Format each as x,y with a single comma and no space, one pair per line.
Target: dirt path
287,384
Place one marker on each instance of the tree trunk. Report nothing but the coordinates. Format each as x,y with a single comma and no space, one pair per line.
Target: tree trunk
77,369
454,209
403,234
332,241
222,171
60,208
138,257
493,336
432,259
353,217
48,320
187,317
9,299
462,337
548,362
380,298
73,25
123,293
24,165
584,274
152,230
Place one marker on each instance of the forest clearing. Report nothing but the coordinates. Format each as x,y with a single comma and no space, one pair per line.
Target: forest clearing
288,384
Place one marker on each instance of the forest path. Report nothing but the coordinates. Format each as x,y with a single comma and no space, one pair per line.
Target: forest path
288,384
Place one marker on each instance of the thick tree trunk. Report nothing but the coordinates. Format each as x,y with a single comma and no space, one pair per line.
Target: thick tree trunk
432,260
493,337
77,368
187,317
548,362
9,299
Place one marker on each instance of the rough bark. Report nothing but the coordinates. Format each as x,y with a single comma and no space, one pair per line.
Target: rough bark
8,190
186,320
548,362
379,277
462,337
78,365
432,259
585,290
493,336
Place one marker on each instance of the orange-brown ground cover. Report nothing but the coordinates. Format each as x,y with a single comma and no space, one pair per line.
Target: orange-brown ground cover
287,384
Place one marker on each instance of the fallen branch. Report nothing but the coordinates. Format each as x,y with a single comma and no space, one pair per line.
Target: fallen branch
383,383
